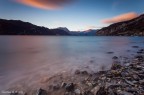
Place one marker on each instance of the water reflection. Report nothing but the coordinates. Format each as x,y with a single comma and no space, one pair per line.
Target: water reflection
31,57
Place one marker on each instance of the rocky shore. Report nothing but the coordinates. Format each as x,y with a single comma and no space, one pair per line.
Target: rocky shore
121,79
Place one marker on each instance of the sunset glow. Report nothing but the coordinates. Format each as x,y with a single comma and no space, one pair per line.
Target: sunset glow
120,18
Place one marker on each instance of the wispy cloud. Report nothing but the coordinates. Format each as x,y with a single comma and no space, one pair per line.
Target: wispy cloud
120,18
45,4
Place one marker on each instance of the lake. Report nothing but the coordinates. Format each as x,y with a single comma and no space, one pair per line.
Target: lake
29,58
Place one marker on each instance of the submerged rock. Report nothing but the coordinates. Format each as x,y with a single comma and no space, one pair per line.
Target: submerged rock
41,92
135,46
77,72
115,57
69,87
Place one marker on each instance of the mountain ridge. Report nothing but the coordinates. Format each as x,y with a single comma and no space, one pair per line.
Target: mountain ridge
134,27
18,27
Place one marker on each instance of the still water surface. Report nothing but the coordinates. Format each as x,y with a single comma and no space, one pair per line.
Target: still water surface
29,58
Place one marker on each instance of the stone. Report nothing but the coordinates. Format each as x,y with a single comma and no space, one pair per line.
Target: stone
56,87
41,92
115,57
63,84
77,91
88,93
95,90
115,66
14,94
135,46
110,52
84,72
77,72
69,87
101,91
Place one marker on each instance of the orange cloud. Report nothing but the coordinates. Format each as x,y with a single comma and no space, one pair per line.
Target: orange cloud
45,4
120,18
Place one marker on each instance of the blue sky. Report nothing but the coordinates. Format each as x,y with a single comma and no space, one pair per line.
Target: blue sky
77,15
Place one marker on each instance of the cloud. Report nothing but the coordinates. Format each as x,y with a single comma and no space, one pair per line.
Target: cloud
45,4
120,18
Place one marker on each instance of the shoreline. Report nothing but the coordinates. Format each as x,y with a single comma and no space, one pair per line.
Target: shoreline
121,79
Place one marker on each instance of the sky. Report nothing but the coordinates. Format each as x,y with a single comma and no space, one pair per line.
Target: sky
76,15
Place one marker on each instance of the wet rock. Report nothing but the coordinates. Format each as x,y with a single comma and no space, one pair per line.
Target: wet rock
77,72
95,90
69,93
69,87
110,52
91,61
84,72
14,93
77,92
101,91
115,66
125,93
129,82
88,93
41,92
141,50
141,82
135,46
102,72
111,92
133,91
139,57
115,57
63,84
56,87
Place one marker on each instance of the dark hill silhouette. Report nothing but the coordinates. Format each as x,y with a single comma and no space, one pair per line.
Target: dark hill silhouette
134,27
17,27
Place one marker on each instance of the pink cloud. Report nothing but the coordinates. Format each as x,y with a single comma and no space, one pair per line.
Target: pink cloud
120,18
45,4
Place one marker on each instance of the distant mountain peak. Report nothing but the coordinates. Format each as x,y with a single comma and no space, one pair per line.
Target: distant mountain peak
63,28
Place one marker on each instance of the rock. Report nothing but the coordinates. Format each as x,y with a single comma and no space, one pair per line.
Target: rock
69,93
102,72
63,84
129,82
91,61
14,94
115,57
135,46
141,82
84,72
110,52
69,87
125,93
134,91
77,91
77,72
115,66
56,87
88,93
95,90
41,92
142,50
139,57
101,91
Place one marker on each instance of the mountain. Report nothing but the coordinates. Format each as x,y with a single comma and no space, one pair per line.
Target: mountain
90,32
63,28
134,27
17,27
